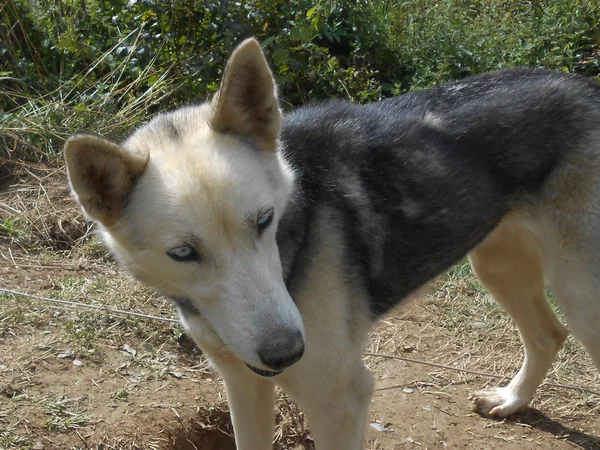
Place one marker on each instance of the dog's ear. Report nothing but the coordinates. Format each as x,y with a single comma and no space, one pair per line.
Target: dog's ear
102,174
246,102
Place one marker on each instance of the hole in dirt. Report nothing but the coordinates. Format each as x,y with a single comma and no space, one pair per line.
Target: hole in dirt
205,440
210,430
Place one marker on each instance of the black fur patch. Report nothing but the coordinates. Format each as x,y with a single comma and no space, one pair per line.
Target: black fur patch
416,182
185,306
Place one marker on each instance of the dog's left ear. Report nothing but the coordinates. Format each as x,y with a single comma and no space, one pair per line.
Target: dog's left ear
102,173
246,102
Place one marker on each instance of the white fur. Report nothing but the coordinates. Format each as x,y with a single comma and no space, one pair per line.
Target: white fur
238,286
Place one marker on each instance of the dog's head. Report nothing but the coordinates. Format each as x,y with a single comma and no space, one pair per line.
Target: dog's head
190,204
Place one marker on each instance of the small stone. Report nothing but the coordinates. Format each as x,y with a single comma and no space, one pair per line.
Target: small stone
38,446
407,390
77,363
377,426
129,350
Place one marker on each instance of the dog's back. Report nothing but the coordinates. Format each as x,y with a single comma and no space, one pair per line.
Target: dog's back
419,180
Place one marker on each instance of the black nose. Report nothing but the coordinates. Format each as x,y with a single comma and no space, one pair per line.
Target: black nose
282,351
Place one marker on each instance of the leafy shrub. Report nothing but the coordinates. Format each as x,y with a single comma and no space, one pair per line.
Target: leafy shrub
451,39
106,65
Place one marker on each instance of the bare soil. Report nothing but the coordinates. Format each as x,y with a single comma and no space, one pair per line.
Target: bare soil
73,378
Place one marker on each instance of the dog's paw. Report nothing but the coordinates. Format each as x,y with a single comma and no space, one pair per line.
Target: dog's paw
497,402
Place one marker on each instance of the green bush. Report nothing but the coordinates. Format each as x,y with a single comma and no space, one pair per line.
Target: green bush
451,39
106,65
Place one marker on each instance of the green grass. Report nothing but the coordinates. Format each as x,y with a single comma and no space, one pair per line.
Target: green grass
10,438
64,414
121,394
15,230
12,314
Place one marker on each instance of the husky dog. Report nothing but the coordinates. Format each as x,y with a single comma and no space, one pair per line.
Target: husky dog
281,239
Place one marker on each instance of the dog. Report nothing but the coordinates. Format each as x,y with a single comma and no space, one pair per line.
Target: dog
281,239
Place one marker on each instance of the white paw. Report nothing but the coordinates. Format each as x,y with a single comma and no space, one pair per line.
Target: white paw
498,402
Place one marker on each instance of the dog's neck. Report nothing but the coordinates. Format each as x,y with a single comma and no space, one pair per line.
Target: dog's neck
292,232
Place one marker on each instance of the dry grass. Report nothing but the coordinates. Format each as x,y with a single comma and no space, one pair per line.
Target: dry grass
460,325
111,106
36,211
68,376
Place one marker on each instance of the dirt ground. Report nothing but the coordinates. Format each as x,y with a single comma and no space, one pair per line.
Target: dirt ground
78,379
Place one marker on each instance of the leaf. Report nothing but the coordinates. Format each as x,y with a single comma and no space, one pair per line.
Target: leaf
296,34
307,32
267,41
280,56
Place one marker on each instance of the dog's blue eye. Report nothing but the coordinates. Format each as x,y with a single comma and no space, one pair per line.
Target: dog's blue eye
265,220
183,253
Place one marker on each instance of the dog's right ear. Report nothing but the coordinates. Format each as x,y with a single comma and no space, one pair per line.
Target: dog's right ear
102,174
246,102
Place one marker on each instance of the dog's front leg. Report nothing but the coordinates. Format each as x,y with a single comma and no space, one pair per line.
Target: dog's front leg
336,402
251,402
339,421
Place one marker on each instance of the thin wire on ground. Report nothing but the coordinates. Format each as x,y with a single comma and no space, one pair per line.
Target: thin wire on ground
474,372
85,305
58,303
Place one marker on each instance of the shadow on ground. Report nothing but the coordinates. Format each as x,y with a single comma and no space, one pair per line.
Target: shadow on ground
540,421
